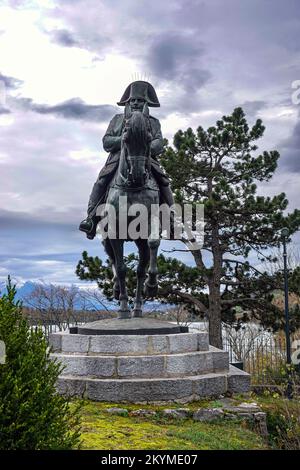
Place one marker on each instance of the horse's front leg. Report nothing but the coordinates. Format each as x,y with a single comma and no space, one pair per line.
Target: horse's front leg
151,286
116,285
144,256
108,248
120,267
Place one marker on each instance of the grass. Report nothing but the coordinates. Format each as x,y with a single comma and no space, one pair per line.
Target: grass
103,431
272,401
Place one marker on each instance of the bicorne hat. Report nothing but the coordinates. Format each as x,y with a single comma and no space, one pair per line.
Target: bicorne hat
140,89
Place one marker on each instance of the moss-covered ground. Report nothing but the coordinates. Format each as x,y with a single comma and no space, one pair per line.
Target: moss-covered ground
101,430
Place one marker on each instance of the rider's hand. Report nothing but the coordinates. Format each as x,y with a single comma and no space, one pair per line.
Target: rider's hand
124,138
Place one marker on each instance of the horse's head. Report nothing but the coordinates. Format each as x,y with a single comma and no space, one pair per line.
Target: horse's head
137,140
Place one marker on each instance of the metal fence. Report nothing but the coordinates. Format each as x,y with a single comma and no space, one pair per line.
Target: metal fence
49,327
55,323
262,353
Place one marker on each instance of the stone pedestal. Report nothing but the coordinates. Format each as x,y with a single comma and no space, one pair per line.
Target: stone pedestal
155,363
129,326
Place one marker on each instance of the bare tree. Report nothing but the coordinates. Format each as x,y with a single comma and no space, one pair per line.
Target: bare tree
244,340
92,299
182,315
293,260
54,303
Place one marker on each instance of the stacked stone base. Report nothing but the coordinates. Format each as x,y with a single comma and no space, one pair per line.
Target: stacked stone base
144,368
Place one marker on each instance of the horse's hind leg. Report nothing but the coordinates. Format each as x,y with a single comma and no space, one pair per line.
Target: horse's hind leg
144,256
110,253
151,286
117,246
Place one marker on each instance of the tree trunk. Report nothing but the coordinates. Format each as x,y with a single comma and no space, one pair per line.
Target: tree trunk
215,324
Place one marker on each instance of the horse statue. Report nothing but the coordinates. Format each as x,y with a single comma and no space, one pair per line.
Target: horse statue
134,180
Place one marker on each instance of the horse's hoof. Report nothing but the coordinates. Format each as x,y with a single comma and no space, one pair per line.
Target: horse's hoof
137,313
124,314
150,290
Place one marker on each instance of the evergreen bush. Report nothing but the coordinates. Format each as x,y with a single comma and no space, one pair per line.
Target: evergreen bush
32,414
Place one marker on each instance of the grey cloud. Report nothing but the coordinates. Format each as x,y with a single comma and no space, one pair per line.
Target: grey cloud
290,150
258,31
75,108
25,221
267,19
39,171
178,57
85,26
11,83
143,31
64,38
32,247
17,3
4,110
51,270
252,107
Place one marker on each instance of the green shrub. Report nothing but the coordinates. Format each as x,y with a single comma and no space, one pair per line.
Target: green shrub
283,414
281,375
32,414
284,428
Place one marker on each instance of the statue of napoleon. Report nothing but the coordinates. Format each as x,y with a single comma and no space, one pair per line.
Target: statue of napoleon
136,95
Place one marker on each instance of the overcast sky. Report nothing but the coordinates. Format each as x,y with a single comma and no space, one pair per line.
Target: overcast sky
63,66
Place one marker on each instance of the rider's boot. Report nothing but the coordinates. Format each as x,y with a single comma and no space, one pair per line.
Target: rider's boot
89,226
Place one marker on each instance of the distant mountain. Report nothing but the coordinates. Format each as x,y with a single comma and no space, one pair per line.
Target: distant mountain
24,290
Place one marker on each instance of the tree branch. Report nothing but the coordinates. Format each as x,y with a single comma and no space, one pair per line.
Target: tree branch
243,263
190,299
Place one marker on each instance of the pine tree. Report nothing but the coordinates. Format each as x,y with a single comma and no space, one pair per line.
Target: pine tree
219,168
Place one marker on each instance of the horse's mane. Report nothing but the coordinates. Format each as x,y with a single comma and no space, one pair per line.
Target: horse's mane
138,133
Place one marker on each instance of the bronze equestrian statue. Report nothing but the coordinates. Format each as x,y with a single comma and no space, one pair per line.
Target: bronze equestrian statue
136,95
132,172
